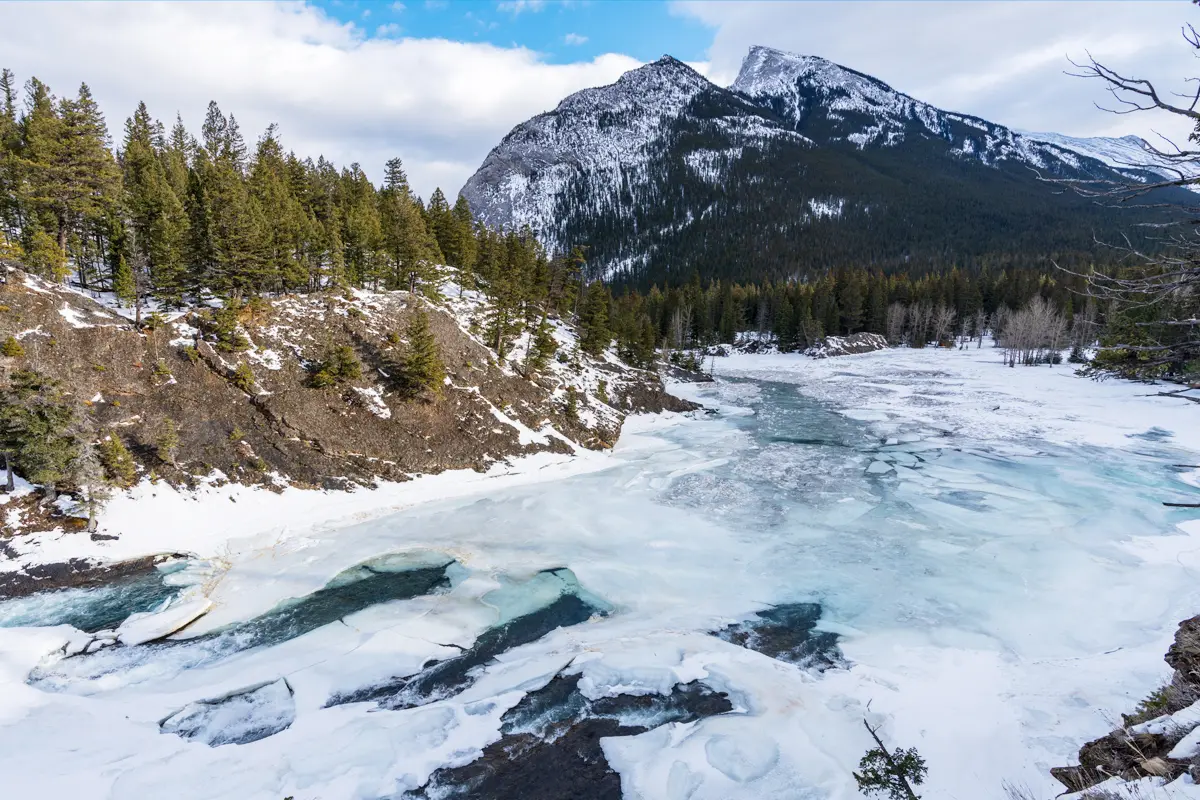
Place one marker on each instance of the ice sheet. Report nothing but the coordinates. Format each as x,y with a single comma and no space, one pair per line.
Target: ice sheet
999,596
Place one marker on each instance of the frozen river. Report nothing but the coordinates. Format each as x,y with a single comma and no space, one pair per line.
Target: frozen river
976,559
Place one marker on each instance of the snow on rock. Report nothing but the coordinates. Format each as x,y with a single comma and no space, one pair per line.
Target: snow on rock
518,182
868,112
74,316
372,398
847,345
1121,152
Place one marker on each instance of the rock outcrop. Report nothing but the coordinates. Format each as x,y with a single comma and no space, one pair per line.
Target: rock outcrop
847,345
243,405
1157,739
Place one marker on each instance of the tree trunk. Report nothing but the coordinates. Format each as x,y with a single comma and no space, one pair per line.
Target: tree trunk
887,754
9,484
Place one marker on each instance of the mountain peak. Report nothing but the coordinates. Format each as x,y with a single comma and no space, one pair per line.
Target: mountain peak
768,71
666,71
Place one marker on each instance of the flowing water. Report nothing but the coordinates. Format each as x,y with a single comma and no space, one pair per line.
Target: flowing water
713,616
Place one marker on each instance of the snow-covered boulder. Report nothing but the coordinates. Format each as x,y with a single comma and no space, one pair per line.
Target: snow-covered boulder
847,345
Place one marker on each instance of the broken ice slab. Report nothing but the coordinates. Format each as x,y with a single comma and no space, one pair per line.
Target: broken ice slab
240,717
377,581
550,600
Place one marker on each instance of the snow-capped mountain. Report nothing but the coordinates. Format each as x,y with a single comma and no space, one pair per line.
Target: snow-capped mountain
664,172
1124,153
812,92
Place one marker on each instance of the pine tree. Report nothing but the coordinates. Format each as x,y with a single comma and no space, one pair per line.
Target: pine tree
10,142
412,249
464,224
156,215
166,443
124,285
44,257
117,461
571,410
595,335
11,348
339,366
422,369
542,348
36,421
286,226
445,228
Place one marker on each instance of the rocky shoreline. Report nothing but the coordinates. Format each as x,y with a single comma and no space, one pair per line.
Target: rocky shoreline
1160,739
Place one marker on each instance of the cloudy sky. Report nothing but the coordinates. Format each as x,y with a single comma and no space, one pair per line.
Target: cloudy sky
439,83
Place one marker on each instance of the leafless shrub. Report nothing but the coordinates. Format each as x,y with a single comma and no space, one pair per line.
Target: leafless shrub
942,322
1033,335
897,316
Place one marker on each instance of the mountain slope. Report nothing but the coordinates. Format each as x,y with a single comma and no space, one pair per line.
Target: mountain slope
801,164
1130,154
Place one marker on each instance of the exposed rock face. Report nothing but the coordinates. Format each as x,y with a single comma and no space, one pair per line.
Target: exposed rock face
1146,746
847,345
550,747
1184,654
280,430
788,633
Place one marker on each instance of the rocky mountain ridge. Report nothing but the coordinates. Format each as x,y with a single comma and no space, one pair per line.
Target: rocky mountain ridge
664,171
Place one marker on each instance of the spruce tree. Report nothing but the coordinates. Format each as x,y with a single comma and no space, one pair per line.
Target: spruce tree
36,419
422,369
117,461
542,347
166,443
594,333
86,473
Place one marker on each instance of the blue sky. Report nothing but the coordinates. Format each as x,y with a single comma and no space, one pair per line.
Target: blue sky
562,32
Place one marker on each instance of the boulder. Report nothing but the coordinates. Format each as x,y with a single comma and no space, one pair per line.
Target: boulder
847,345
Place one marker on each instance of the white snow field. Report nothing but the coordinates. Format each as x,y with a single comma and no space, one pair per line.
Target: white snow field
988,545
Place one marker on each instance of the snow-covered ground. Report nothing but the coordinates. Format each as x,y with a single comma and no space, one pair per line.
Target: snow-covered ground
989,543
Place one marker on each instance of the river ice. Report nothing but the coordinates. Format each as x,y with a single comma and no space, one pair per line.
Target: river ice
975,558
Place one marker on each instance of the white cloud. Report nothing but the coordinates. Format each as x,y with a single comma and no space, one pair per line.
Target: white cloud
574,38
388,29
1003,61
515,7
439,105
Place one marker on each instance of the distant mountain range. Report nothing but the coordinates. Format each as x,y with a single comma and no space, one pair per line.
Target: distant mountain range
800,165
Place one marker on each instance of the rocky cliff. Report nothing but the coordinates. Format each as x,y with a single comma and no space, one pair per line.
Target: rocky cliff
243,404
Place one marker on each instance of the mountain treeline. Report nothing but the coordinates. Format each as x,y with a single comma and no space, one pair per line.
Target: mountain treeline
796,315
